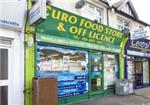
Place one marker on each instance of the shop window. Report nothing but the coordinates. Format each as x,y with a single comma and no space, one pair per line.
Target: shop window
138,70
145,71
110,70
93,13
68,66
130,68
123,25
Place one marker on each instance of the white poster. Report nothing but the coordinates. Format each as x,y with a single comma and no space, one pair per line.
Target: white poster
110,69
146,71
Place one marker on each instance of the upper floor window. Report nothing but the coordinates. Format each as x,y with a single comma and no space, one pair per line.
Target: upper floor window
93,13
123,25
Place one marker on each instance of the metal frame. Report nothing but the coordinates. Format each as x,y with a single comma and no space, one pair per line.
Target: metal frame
10,71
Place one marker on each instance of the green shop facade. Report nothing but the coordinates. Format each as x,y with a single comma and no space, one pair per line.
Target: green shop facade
85,57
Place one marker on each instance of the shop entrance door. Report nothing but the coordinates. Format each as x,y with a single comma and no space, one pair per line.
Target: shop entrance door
4,74
138,74
96,73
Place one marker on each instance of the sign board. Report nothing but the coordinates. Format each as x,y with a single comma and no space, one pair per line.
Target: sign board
12,14
38,12
148,33
138,47
73,28
140,33
135,53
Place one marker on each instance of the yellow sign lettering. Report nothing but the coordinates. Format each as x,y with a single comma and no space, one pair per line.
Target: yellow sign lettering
88,24
73,30
72,19
77,31
60,27
56,14
64,17
94,26
100,37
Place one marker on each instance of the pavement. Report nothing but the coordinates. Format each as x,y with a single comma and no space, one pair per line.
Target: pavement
139,97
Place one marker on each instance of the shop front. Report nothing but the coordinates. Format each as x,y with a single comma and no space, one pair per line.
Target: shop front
137,62
12,20
82,55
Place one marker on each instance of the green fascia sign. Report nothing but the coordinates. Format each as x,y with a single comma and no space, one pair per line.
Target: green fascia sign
62,27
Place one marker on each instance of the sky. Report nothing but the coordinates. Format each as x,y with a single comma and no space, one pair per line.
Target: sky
142,8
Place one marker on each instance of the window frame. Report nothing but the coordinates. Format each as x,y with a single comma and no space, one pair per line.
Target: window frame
122,24
95,12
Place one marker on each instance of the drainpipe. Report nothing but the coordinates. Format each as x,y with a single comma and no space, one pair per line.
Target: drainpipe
107,17
29,58
29,4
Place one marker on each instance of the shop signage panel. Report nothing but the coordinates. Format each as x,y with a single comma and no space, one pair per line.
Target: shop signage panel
67,25
12,14
139,47
135,53
38,12
140,33
70,42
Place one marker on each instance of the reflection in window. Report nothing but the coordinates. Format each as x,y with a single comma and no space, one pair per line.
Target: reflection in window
96,72
123,25
3,95
93,13
54,59
130,68
3,64
145,70
68,66
110,70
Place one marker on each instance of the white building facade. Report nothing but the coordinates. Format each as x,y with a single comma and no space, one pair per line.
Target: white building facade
12,22
123,16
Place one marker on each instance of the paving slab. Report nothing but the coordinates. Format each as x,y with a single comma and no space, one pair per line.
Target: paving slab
145,92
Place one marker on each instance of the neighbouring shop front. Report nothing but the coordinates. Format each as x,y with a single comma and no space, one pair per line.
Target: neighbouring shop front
12,52
137,62
82,55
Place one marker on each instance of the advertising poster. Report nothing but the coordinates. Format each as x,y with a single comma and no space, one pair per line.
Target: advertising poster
68,66
110,70
146,71
130,69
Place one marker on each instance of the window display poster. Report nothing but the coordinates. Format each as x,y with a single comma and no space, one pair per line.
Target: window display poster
145,71
96,65
65,60
98,82
110,70
67,65
130,69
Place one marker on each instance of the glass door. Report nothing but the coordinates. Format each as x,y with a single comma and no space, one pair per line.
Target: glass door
110,71
3,76
139,74
96,74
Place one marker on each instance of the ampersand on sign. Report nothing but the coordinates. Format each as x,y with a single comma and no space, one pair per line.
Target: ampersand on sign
60,27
